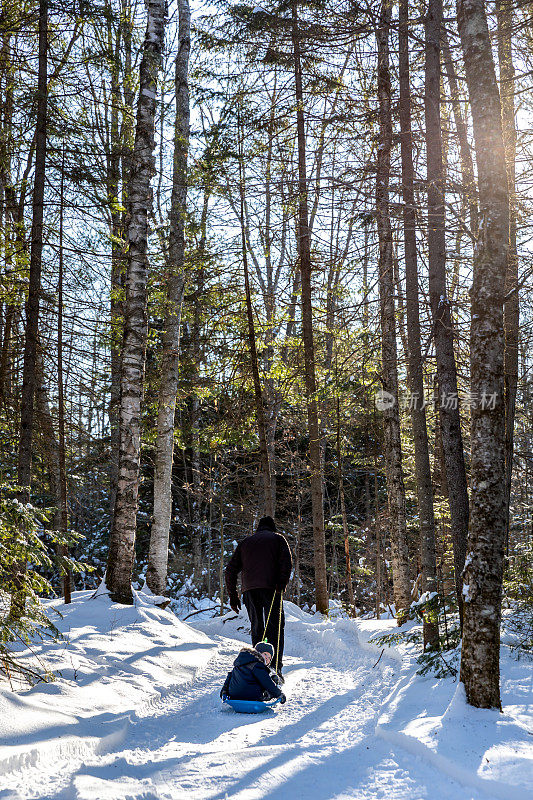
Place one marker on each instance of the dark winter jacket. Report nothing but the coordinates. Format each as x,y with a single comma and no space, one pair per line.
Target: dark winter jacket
264,561
250,678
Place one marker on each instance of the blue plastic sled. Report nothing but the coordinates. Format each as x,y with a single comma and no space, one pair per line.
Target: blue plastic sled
250,706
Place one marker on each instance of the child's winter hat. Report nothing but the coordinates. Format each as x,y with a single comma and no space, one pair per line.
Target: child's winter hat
265,647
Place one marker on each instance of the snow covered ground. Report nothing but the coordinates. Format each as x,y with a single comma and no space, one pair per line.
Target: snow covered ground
136,716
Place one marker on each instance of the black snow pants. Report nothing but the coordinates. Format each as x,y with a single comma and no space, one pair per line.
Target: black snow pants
257,602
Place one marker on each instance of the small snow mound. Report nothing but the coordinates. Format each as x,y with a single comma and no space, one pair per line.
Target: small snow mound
458,706
295,612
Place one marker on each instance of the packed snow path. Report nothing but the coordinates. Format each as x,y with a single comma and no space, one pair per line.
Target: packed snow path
320,745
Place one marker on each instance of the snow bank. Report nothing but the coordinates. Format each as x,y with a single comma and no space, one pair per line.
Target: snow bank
430,718
101,720
112,660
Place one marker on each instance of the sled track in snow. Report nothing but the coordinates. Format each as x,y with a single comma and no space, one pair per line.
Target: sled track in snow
34,761
183,744
48,765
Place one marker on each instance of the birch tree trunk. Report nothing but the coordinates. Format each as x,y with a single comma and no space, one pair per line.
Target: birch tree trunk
449,417
122,540
117,259
512,303
121,150
487,531
424,486
156,575
304,257
391,411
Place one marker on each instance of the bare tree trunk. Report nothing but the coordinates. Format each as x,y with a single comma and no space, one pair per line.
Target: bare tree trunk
34,288
304,256
465,153
272,395
391,411
424,485
345,531
221,581
8,209
512,307
195,439
450,421
258,394
50,444
196,407
63,508
32,303
122,540
298,548
156,575
487,532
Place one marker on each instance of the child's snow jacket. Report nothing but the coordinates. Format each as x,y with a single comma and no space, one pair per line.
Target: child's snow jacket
249,678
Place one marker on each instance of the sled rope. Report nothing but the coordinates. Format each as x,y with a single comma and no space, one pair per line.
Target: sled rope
279,624
279,627
268,618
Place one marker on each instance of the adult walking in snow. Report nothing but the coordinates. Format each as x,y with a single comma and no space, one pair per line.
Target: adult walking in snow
264,562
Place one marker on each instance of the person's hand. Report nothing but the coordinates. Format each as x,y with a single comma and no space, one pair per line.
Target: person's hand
235,604
282,698
275,677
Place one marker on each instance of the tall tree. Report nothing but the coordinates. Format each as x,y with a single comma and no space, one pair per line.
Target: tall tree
121,134
156,574
424,486
443,329
122,539
258,394
62,494
113,175
36,254
344,518
389,356
487,530
465,153
512,304
304,258
29,376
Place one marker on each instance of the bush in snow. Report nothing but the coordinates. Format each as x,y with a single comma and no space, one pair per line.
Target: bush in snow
518,591
25,554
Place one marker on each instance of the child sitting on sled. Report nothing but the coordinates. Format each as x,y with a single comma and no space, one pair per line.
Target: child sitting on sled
251,678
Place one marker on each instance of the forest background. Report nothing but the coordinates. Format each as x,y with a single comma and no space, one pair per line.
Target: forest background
260,268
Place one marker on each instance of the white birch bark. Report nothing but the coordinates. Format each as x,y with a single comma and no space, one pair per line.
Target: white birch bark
156,575
122,540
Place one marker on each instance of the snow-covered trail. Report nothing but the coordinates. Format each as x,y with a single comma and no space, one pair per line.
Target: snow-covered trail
321,745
